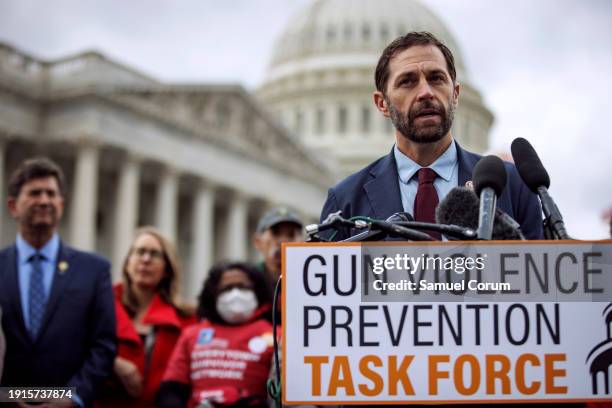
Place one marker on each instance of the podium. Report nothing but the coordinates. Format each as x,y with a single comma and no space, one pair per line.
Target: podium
447,322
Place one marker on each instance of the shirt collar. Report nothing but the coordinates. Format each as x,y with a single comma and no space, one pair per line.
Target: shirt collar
443,166
25,250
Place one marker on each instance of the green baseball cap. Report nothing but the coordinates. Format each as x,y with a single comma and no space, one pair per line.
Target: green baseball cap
276,216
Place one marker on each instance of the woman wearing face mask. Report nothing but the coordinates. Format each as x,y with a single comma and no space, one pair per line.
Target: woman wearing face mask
149,321
225,359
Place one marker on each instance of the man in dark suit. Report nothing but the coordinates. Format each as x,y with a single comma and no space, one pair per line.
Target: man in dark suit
57,302
417,89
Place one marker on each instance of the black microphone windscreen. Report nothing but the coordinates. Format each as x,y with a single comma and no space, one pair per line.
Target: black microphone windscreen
529,165
461,207
489,172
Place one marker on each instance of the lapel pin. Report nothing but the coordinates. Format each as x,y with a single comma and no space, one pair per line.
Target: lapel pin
469,184
63,267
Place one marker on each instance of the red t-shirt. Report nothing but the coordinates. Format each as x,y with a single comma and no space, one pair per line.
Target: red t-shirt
223,363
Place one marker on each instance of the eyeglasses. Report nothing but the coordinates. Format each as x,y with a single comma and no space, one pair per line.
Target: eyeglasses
153,253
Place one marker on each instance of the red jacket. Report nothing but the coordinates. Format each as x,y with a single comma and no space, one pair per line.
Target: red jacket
168,325
223,363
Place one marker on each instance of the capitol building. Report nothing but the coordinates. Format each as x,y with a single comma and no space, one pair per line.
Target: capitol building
203,161
321,78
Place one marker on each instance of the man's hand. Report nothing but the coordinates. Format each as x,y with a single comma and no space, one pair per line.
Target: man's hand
129,376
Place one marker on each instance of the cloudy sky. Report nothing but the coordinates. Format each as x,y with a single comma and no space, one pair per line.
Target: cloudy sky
544,67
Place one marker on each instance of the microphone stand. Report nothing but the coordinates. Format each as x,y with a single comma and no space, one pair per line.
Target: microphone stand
553,221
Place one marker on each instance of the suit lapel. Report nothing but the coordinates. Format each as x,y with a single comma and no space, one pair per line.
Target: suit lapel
383,190
12,290
61,277
466,165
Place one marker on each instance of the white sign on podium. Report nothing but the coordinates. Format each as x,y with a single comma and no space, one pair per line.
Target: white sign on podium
361,323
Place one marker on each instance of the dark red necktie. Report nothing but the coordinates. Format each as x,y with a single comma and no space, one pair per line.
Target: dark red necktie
426,199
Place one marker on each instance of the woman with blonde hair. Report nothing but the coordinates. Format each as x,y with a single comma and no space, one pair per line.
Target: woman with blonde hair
149,320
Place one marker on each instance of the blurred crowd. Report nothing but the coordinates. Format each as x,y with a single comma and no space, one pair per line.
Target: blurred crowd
134,343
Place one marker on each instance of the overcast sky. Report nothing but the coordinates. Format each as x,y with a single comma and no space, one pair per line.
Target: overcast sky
544,67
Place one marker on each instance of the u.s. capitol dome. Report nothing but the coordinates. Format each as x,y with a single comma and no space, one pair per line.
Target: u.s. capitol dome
320,79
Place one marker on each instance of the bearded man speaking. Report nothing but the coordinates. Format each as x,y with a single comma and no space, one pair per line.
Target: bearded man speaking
417,88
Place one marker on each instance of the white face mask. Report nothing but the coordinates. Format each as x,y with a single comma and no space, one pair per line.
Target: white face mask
236,305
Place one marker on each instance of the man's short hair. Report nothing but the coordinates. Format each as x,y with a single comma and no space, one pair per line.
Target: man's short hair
37,168
413,38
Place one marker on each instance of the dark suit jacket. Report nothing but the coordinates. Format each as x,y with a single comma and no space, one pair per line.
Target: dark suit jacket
374,192
76,344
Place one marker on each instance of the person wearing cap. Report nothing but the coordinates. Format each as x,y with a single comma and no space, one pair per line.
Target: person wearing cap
275,227
278,225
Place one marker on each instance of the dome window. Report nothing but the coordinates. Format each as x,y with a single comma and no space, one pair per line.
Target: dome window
366,32
299,121
348,32
365,119
384,32
342,119
331,34
320,121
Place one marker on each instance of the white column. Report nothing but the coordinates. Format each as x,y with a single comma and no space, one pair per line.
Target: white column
84,197
126,212
167,204
203,240
235,245
2,187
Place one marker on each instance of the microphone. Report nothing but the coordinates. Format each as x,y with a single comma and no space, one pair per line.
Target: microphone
461,207
536,178
333,220
489,177
392,226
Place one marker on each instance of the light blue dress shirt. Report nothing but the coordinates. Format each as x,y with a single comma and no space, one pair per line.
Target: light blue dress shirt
446,166
24,270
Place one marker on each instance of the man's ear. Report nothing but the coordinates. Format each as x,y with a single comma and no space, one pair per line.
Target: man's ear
257,242
12,206
381,103
456,92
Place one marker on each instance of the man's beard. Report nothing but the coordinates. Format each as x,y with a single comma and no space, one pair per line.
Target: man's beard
426,134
